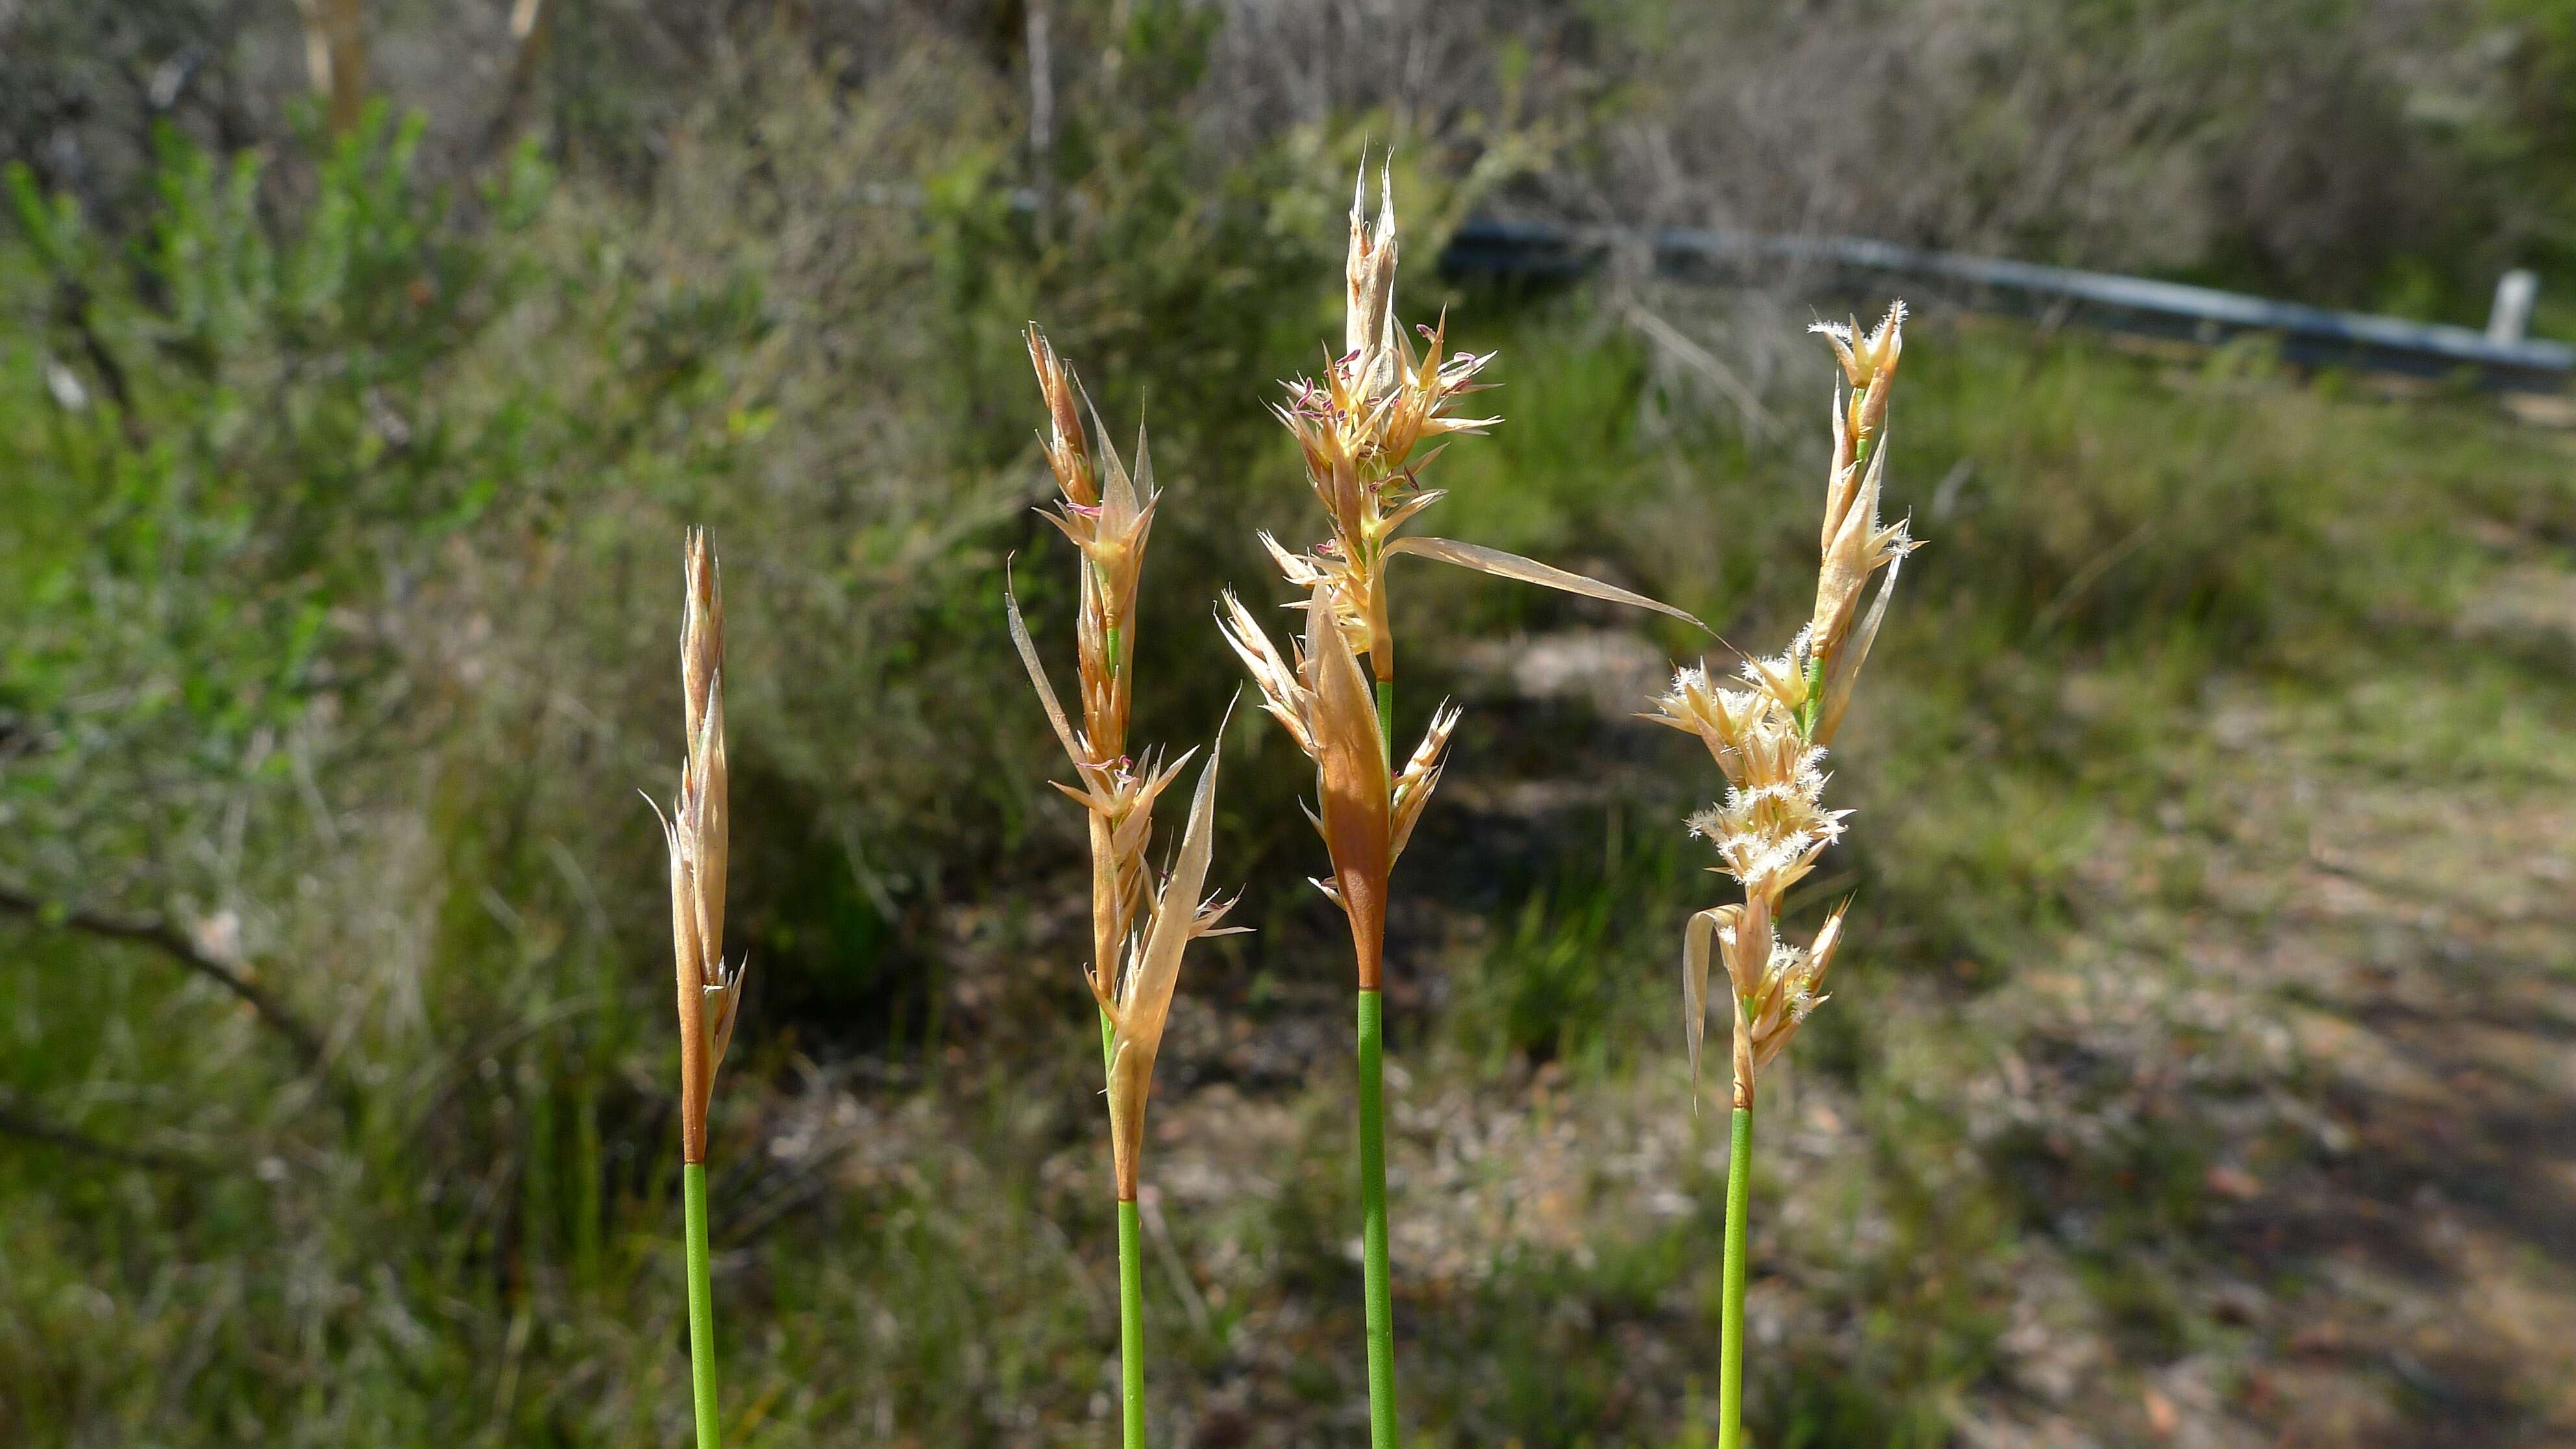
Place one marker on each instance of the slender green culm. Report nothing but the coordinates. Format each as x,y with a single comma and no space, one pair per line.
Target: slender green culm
1373,1269
1131,1324
1730,1350
1131,1291
702,1309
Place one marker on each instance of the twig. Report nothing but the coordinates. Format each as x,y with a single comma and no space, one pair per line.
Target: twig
1757,418
171,942
1192,1301
530,30
20,1124
2071,592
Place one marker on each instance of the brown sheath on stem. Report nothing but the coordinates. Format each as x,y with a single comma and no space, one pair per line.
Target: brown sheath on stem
1352,786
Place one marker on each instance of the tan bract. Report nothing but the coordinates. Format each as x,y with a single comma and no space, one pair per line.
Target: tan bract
695,831
1323,700
1769,736
1134,968
1109,516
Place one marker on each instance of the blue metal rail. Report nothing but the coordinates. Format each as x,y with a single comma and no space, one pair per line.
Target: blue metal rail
2310,335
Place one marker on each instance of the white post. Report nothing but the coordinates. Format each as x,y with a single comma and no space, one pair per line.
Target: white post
2511,315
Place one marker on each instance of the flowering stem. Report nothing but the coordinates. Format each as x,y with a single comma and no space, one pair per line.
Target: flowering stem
702,1312
1730,1352
1131,1324
1373,1271
1131,1289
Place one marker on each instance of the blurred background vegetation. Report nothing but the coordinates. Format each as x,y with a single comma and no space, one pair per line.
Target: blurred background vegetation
2199,1074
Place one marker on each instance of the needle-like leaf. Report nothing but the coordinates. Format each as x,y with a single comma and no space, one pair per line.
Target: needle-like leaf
1530,571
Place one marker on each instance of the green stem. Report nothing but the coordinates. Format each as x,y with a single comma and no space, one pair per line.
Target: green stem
1730,1351
1373,1275
1131,1289
1131,1324
1386,719
702,1311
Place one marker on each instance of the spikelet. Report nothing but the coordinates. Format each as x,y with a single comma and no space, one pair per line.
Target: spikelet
1135,964
1109,515
1769,737
696,834
1324,703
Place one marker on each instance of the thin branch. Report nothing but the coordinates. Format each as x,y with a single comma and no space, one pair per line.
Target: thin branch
20,1124
173,943
531,27
1757,418
335,56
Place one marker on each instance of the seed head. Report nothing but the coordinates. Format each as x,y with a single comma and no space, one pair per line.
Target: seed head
1140,1004
1366,813
1134,968
1109,515
1855,544
1770,739
695,832
1361,426
1067,452
1869,366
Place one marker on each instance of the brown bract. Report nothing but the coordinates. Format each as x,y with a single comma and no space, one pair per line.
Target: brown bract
1109,515
696,833
1365,812
1351,787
